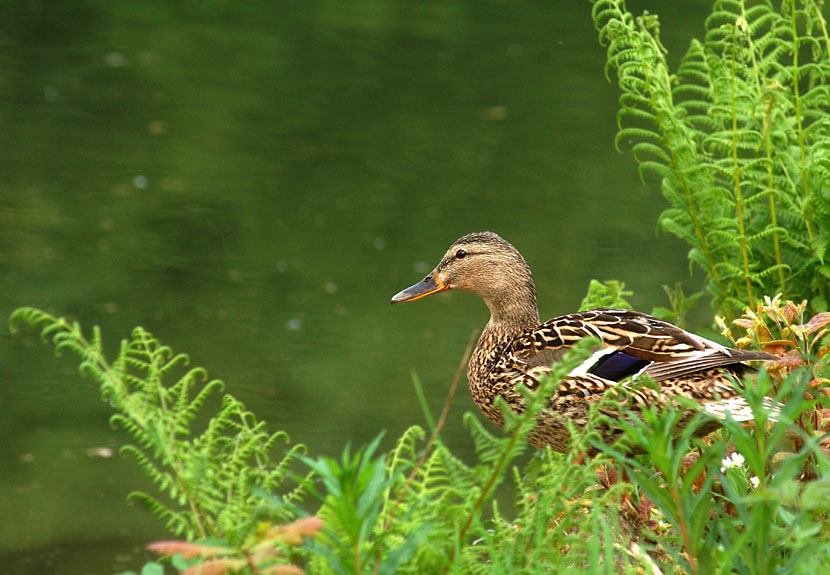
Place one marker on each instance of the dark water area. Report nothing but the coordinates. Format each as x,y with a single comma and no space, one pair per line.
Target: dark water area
252,182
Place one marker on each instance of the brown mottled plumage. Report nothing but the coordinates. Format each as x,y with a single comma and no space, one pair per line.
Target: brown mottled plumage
515,348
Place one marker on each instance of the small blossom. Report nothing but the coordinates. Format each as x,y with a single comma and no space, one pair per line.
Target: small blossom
754,481
734,461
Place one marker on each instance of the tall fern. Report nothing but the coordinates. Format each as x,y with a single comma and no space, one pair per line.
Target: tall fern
207,481
740,137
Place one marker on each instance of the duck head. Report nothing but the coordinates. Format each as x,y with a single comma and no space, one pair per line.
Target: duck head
484,264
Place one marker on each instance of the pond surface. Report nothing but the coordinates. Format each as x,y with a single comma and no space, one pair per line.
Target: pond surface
252,182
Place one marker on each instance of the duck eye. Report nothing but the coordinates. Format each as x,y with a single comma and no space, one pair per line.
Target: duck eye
460,254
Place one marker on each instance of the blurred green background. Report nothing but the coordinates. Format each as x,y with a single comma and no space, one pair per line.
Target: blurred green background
252,182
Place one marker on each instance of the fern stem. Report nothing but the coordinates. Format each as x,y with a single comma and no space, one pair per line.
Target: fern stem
167,433
772,208
665,128
435,431
736,173
805,205
358,564
822,23
756,74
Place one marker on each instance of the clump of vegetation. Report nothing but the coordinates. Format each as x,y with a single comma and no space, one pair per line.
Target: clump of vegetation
417,508
748,499
692,505
744,500
207,479
739,137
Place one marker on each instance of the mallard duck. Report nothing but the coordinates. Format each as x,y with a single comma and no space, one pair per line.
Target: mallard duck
516,348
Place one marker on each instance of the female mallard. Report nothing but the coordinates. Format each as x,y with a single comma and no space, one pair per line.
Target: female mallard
515,348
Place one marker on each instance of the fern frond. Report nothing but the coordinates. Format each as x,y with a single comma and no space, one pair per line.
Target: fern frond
174,521
742,133
207,478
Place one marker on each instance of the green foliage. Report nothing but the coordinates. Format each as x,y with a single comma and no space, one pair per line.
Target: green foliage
740,138
747,513
681,513
689,508
610,293
416,509
427,511
679,303
356,489
206,480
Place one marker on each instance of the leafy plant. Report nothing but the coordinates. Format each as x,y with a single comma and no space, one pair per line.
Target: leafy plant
422,509
679,305
417,509
724,517
209,478
354,497
693,506
610,293
803,346
740,139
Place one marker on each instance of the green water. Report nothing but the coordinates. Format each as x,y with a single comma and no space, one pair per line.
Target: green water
252,182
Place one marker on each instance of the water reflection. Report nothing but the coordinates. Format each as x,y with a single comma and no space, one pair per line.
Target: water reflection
252,182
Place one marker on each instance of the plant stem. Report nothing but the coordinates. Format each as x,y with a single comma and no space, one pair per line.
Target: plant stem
678,170
805,205
768,109
681,521
736,173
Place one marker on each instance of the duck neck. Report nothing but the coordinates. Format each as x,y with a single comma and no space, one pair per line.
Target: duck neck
509,317
514,311
511,298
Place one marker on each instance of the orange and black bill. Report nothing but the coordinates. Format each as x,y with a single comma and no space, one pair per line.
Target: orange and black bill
428,286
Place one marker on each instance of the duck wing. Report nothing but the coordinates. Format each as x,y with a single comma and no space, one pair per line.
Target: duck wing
682,363
634,343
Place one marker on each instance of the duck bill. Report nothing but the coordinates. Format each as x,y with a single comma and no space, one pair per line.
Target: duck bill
428,286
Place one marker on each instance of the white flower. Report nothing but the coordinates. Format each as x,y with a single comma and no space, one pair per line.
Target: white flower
754,481
734,461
